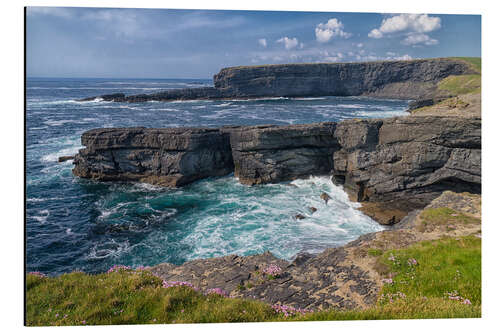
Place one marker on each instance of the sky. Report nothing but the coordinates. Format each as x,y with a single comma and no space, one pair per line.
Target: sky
163,43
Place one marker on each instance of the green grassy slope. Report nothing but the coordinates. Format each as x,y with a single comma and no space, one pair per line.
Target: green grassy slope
447,273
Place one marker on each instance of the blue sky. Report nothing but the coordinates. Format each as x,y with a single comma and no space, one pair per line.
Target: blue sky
161,43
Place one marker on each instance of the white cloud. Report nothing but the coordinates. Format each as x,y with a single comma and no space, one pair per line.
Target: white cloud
289,43
360,45
332,28
414,39
409,23
375,33
404,57
262,42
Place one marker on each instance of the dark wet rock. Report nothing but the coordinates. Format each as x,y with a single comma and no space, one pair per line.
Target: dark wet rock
299,217
65,158
325,197
271,154
168,157
313,209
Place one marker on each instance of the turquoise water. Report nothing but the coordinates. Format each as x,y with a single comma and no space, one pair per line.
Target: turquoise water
81,224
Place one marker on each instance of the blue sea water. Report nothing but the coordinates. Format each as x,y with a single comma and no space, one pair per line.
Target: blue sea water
80,224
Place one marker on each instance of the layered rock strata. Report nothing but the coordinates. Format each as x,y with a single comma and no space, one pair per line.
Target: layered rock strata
393,165
169,156
414,79
271,154
403,163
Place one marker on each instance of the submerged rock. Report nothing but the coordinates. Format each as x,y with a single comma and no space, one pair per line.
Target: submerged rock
65,158
325,197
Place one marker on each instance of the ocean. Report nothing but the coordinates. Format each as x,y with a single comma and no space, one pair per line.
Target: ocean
78,224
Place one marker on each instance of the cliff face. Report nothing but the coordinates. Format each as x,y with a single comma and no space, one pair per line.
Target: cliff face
393,79
402,163
270,154
412,79
169,157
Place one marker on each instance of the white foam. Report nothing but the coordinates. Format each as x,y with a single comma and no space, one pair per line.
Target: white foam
308,98
42,217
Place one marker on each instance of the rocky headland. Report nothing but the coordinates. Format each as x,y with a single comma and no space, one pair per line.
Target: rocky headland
393,165
420,174
413,79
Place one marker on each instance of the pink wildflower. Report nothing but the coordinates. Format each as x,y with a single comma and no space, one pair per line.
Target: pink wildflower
39,274
273,270
117,268
170,284
387,281
466,301
412,262
217,291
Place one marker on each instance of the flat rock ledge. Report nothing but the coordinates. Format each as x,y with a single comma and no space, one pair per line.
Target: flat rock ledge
392,166
338,278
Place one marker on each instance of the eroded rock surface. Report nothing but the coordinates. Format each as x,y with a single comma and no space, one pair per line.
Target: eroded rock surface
169,157
403,163
271,154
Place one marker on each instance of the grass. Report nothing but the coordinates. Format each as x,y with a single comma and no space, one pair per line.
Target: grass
461,84
474,62
442,268
129,297
137,297
434,217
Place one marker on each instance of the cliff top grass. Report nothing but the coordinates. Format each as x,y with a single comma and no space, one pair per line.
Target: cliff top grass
469,60
443,281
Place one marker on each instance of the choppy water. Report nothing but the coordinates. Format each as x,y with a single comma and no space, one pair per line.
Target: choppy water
80,224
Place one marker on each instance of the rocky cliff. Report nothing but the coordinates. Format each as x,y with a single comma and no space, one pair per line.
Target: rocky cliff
169,157
414,79
270,154
399,163
403,163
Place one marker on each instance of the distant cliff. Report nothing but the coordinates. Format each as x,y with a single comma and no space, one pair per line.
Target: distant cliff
413,79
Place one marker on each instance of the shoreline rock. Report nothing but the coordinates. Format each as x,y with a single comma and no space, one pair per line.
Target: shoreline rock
393,165
169,157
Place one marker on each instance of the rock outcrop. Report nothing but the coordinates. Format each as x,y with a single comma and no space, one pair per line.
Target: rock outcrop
413,79
392,165
169,157
403,163
271,154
